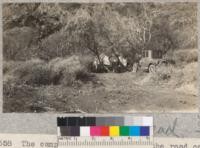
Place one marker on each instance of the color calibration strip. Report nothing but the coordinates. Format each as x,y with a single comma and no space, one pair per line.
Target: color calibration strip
104,126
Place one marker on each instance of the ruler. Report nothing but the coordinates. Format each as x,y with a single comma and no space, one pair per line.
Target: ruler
105,142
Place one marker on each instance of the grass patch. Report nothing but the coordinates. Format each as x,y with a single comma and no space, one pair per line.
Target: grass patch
33,72
70,71
67,71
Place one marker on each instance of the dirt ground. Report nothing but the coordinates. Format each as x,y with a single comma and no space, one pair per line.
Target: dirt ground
113,93
122,93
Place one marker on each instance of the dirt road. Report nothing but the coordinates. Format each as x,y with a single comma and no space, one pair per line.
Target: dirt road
121,93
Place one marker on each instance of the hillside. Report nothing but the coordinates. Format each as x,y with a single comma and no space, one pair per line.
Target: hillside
65,57
47,31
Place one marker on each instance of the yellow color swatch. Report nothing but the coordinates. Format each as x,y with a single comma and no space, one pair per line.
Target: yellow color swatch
114,130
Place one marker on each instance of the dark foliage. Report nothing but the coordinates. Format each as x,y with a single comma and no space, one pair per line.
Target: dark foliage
58,30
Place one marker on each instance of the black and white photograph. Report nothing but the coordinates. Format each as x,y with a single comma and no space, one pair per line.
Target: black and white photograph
100,57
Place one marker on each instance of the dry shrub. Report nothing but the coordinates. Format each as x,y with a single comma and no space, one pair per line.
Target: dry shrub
185,56
87,61
162,75
62,70
69,64
33,72
68,71
179,75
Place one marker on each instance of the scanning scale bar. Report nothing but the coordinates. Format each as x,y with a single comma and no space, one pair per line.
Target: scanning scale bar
110,142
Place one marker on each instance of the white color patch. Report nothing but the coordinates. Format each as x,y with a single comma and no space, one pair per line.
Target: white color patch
84,131
137,121
128,121
147,121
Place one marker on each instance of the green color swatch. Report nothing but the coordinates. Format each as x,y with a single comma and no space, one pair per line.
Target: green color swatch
124,131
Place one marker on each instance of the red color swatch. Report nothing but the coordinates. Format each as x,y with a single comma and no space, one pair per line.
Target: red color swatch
104,131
